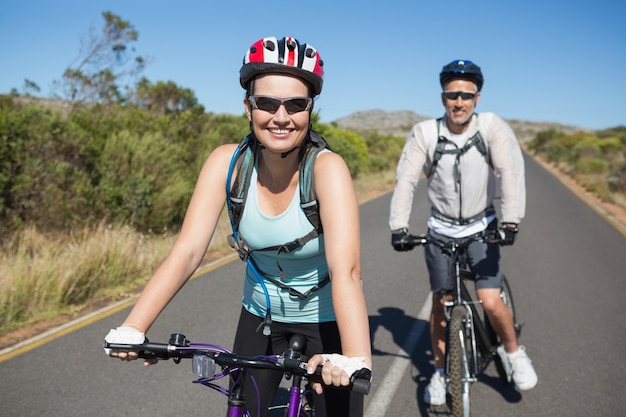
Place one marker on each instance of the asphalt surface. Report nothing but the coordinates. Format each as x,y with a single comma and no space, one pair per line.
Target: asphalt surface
567,276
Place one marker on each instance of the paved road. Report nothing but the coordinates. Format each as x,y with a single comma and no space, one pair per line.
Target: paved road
566,271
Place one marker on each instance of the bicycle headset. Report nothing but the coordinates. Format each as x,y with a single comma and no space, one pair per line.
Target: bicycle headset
461,69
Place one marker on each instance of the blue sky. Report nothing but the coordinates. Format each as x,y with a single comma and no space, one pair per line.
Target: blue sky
556,61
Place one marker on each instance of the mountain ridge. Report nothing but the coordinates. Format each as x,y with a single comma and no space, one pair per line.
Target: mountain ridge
400,123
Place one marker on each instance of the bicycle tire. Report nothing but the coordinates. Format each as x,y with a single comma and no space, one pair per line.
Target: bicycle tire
507,297
458,363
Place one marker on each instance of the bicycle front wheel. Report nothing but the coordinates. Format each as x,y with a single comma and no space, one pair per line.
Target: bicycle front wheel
458,362
507,298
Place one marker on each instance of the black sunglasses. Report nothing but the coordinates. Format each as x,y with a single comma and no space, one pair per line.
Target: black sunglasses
453,95
272,104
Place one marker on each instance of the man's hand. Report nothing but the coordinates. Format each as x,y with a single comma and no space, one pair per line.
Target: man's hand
400,240
508,233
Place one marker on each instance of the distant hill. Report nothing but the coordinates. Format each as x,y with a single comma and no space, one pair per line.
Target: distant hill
399,123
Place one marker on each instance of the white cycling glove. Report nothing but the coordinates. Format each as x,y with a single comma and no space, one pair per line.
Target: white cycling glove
349,365
125,335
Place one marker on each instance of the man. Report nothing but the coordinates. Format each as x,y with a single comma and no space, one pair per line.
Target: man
461,154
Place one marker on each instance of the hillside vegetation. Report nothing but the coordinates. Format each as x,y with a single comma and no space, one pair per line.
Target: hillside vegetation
595,161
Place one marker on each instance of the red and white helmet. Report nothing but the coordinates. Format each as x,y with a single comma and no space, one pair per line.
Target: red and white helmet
285,56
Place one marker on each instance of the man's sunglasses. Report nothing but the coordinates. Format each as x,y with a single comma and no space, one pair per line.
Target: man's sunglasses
272,104
453,95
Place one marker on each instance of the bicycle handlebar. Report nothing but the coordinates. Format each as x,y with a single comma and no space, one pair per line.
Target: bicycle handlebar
180,348
489,236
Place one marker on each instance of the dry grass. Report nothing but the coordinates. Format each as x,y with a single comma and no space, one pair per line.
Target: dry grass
45,275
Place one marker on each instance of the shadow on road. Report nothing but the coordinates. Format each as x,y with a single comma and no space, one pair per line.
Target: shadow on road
401,327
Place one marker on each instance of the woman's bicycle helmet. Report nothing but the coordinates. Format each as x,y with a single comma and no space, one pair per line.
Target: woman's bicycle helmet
461,69
286,56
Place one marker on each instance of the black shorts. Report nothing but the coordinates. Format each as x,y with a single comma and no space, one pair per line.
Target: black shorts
321,338
482,258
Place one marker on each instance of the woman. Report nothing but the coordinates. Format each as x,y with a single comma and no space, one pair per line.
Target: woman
281,78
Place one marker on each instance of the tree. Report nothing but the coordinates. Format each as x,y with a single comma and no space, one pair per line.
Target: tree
30,87
163,97
107,64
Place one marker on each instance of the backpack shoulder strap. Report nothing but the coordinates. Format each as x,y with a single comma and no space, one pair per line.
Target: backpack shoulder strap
308,197
440,148
241,165
476,140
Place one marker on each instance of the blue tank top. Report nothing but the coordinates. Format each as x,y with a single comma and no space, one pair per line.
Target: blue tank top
304,267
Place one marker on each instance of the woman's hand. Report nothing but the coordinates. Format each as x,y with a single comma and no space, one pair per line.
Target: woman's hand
336,369
126,335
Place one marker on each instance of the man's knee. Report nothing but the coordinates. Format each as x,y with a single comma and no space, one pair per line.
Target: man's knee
490,299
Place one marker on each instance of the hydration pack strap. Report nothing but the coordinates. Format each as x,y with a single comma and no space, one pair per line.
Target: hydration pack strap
244,251
292,291
440,150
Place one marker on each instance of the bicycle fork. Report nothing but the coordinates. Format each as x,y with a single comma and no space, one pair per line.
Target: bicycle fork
468,335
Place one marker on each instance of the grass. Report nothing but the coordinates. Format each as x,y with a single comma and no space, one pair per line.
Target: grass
45,275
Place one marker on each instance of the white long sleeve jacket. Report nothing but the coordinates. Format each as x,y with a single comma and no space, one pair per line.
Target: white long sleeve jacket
476,188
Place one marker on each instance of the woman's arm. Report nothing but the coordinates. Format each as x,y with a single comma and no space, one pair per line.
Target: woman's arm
339,212
207,202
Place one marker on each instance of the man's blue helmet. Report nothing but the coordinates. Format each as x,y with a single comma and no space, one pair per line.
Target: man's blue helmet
461,69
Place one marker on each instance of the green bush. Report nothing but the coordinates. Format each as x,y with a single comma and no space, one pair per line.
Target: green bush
597,162
611,146
591,166
45,160
72,168
544,139
587,147
555,153
140,182
384,150
350,145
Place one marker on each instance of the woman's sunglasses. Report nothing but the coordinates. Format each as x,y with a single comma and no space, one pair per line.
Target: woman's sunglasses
453,95
272,104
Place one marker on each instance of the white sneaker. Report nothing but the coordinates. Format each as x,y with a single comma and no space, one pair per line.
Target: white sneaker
435,393
508,369
524,375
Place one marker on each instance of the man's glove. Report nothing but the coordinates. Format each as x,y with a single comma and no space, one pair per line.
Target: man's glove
400,240
508,233
124,335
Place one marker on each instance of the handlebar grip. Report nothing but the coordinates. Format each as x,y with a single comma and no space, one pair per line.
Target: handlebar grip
418,240
146,350
361,381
